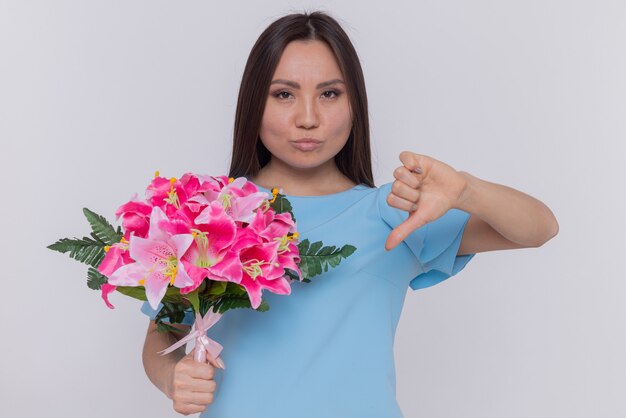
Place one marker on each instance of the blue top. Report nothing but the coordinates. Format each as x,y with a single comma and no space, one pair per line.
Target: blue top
326,350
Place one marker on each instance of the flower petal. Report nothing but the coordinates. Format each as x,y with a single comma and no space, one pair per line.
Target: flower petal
106,289
149,252
128,275
279,286
156,286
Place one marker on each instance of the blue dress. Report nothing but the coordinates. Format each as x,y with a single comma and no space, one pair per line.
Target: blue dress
326,350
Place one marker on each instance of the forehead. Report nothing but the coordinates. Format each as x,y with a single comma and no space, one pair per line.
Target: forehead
307,60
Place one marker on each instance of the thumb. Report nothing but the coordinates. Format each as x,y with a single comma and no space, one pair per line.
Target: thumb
400,232
216,362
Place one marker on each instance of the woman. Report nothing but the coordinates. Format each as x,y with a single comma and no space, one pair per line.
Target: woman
327,349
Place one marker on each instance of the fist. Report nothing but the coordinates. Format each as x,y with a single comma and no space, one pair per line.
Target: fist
193,385
424,187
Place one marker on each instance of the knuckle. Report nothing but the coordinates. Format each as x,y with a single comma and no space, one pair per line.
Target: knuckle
212,385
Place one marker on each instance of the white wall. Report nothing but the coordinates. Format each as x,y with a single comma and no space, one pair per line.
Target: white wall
95,96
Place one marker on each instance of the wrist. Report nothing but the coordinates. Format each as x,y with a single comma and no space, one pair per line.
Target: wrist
167,384
466,197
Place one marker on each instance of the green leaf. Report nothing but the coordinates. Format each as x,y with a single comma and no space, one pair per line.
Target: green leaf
303,246
281,204
194,299
263,307
231,302
165,327
315,247
316,258
86,250
95,279
235,288
175,314
347,250
217,287
137,292
102,228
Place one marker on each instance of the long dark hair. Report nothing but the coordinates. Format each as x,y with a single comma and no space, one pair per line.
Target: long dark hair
249,154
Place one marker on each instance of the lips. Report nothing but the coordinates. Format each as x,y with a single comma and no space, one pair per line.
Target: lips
307,141
306,144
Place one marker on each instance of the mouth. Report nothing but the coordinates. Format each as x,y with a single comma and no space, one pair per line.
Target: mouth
307,140
306,144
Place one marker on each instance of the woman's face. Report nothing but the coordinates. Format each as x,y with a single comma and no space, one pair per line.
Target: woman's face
307,118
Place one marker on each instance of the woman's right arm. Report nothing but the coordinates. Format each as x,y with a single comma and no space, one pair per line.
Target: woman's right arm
189,384
160,368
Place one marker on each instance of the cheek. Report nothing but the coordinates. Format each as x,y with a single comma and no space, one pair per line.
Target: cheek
274,122
341,122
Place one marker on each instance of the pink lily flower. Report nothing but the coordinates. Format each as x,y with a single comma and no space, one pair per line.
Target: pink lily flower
106,290
239,197
271,226
211,256
261,270
134,215
172,194
157,260
116,256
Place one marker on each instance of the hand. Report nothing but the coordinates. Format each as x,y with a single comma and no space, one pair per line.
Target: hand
424,187
193,385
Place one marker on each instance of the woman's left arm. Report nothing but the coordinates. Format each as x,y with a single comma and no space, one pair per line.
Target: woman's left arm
500,216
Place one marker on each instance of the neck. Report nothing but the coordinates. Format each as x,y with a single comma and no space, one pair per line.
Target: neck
321,180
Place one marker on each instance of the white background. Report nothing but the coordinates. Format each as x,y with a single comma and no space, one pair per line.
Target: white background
97,95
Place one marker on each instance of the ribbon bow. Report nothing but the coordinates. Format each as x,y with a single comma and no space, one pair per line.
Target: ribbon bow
205,347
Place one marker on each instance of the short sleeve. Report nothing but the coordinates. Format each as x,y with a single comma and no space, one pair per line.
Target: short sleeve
435,244
152,313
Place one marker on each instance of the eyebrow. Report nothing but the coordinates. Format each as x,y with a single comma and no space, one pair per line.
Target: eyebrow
297,86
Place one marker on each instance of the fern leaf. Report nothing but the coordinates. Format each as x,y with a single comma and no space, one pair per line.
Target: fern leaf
316,259
102,228
237,301
281,204
86,250
95,279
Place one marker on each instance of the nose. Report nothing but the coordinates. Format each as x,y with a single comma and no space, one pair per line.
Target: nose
307,114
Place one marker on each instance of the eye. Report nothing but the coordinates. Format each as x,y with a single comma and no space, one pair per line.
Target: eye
331,94
281,94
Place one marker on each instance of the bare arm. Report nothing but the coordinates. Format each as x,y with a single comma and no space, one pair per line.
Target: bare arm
502,218
160,369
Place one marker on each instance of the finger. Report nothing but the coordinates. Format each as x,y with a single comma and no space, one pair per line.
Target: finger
404,191
202,371
218,363
412,161
195,396
202,398
399,233
190,407
396,201
202,386
407,176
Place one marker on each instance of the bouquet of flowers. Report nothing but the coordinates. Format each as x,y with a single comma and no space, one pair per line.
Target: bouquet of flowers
201,243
